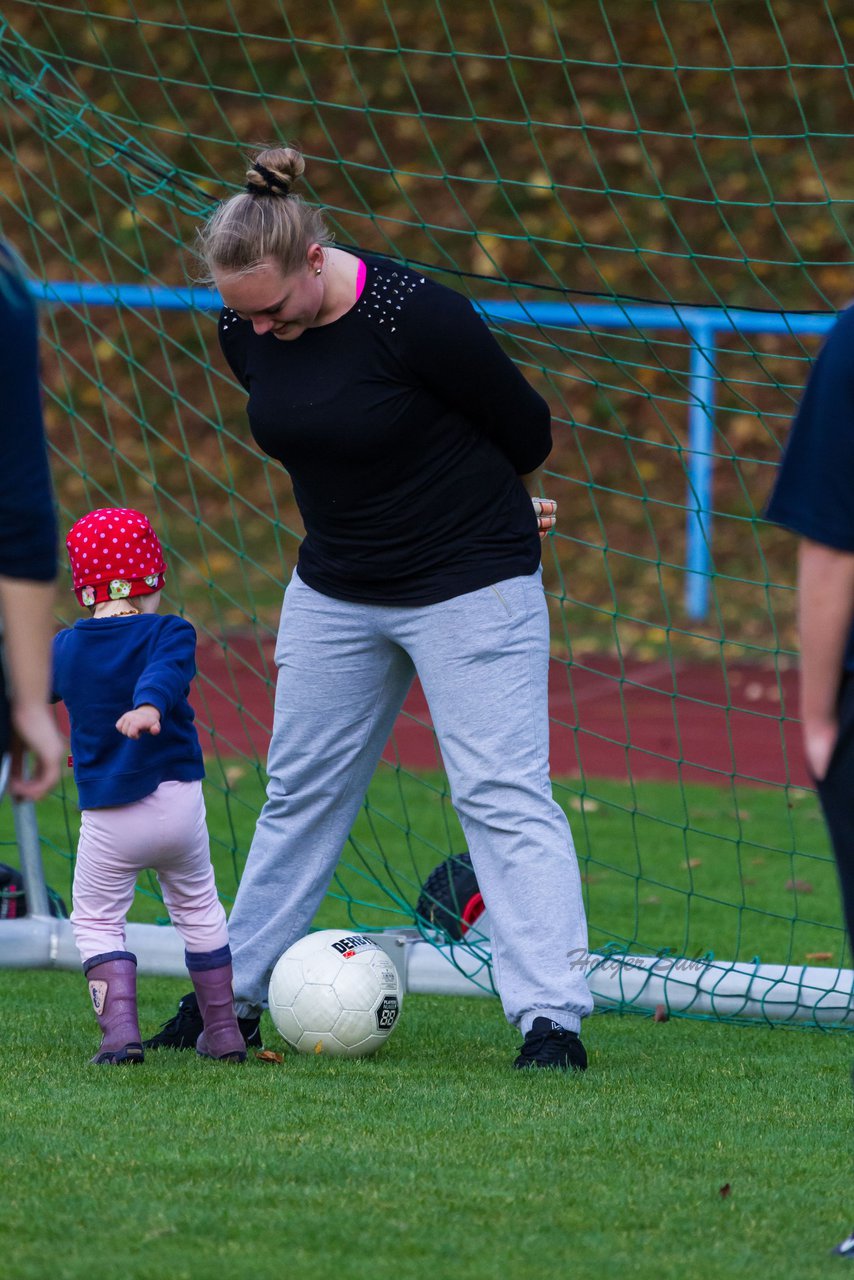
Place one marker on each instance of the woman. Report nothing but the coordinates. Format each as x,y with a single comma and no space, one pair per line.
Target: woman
414,446
27,548
812,497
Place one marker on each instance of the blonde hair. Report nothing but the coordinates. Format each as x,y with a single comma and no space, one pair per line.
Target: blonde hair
266,221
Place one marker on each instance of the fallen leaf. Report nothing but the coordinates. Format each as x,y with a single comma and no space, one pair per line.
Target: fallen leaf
799,886
724,1191
267,1055
692,863
661,1014
757,862
583,804
820,957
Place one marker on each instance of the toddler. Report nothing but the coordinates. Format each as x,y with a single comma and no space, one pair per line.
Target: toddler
124,675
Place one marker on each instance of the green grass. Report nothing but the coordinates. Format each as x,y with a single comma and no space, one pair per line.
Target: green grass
431,1159
434,1158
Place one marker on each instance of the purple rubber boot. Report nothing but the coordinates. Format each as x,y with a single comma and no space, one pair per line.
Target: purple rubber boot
222,1037
112,986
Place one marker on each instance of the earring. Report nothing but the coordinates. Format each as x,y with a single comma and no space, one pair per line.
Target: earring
317,270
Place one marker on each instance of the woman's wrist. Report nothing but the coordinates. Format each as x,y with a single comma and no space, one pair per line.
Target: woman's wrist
26,711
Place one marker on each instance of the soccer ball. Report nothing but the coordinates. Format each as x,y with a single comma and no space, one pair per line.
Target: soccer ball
335,992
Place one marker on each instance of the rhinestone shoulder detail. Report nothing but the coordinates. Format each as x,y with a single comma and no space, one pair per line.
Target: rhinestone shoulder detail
228,318
384,296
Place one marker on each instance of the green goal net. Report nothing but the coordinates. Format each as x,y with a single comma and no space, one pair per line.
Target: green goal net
649,204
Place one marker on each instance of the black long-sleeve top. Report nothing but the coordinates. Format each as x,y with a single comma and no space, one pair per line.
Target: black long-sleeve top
404,428
27,517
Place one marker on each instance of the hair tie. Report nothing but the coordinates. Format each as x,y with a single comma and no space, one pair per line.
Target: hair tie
271,180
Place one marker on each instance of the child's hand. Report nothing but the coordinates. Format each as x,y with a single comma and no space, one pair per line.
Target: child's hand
144,719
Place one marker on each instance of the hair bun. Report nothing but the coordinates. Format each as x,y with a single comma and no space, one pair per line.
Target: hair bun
274,172
254,226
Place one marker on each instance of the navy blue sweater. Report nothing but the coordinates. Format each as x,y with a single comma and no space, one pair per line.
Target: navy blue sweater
405,428
814,490
103,667
27,517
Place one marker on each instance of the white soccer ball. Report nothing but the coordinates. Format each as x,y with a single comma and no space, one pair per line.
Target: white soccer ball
335,992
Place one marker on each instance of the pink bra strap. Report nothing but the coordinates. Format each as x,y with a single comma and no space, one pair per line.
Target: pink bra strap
361,277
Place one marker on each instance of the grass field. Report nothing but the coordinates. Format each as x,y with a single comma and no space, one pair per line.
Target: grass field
434,1158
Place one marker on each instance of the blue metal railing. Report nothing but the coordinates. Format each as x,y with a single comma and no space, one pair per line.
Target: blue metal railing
701,324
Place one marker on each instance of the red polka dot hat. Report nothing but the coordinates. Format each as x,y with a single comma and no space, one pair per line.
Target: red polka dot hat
114,554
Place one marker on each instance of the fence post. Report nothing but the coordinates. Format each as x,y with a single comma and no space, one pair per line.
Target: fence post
698,501
29,848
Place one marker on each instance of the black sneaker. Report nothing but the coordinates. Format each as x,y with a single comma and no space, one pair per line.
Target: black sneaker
182,1031
548,1044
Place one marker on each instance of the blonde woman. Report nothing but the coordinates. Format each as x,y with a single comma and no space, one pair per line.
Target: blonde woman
414,445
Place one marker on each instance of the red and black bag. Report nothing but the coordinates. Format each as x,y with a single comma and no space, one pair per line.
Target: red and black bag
13,899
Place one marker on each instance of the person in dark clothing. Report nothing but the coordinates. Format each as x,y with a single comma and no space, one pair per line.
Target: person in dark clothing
27,547
124,674
814,497
414,446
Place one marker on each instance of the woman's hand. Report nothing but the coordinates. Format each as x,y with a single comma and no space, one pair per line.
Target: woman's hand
545,510
34,733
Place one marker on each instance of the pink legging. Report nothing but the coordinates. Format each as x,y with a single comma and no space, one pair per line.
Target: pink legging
164,832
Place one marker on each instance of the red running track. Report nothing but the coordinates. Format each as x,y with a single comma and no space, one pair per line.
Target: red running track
688,722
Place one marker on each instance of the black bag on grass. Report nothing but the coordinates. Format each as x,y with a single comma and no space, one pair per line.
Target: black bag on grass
13,900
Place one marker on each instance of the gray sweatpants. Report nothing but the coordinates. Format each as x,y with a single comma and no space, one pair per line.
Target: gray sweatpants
344,671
